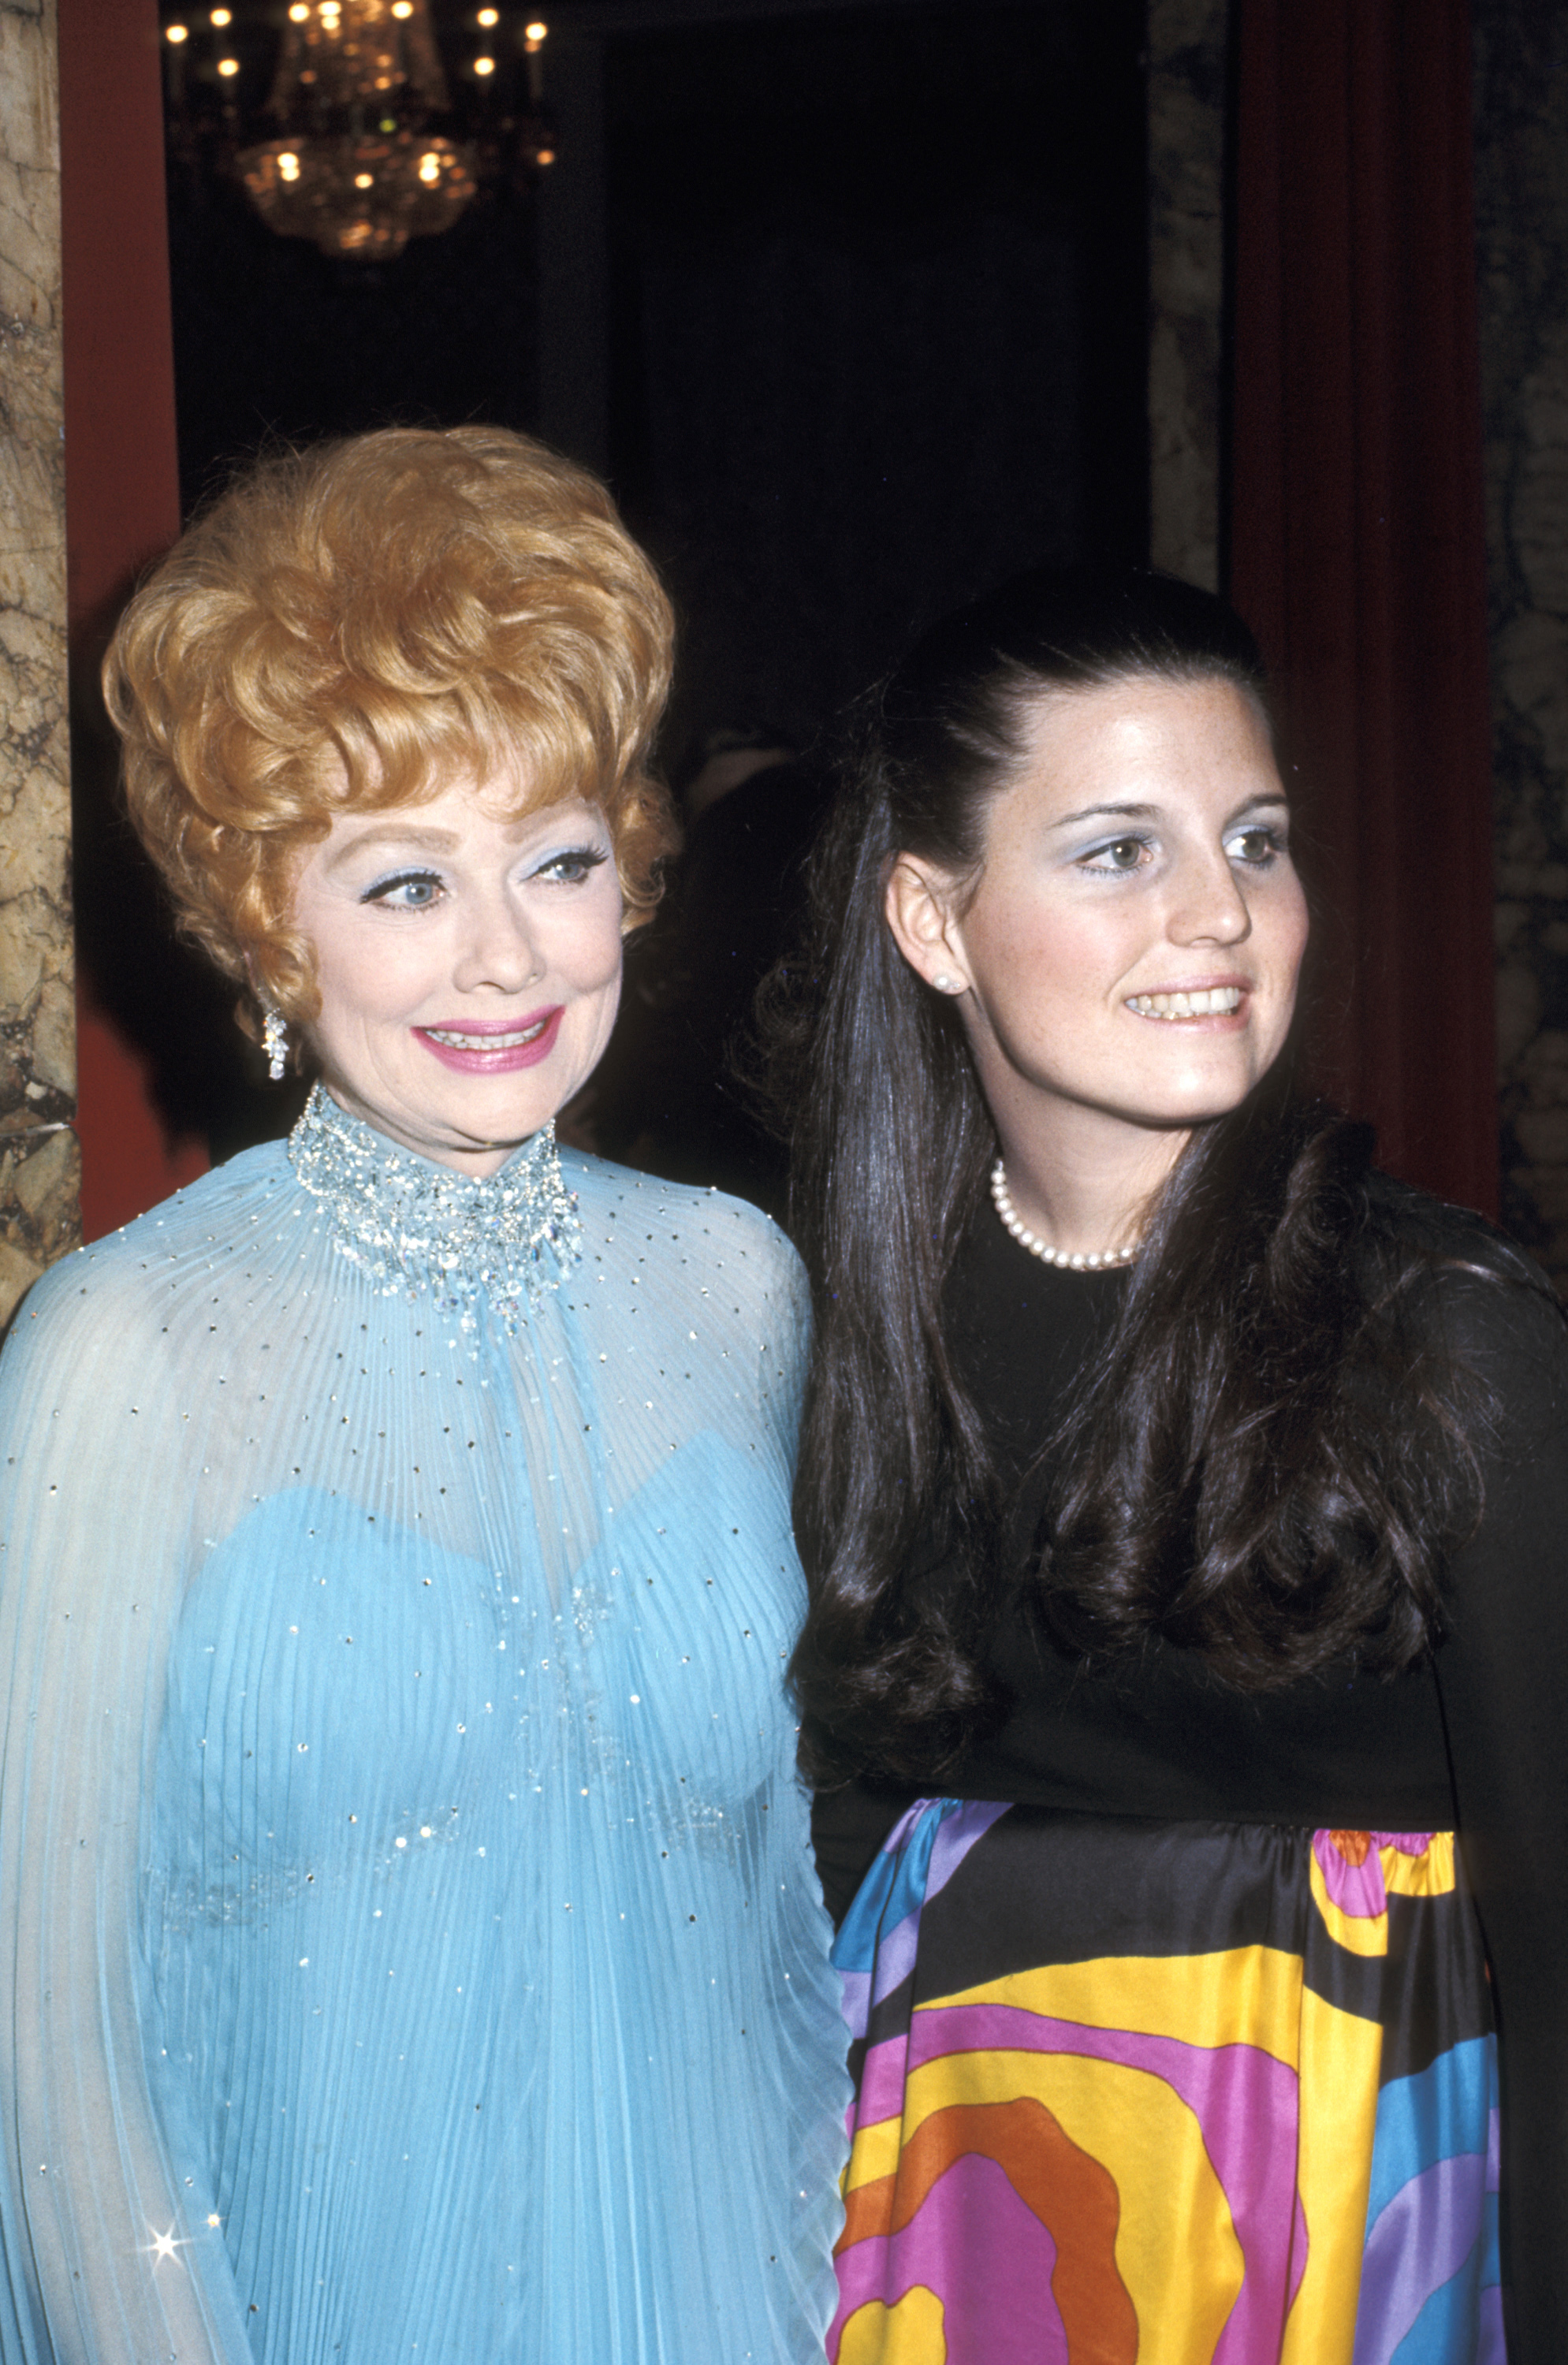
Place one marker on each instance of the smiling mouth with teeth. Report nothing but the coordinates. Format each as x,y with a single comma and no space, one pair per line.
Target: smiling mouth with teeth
1215,1002
514,1042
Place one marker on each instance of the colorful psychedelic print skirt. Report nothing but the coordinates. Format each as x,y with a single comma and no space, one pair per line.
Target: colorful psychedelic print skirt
1169,2093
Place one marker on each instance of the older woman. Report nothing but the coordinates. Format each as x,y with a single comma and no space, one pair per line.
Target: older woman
412,1950
1187,1511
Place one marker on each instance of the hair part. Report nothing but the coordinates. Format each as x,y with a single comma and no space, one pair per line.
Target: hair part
1218,1480
350,627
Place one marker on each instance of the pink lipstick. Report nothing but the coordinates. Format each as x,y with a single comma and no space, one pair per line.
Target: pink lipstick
495,1047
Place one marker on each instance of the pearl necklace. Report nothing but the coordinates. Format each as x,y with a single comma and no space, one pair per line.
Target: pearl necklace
1101,1261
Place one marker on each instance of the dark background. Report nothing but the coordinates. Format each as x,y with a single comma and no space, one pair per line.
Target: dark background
848,303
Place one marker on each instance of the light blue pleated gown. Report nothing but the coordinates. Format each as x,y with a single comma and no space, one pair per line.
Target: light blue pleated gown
411,1948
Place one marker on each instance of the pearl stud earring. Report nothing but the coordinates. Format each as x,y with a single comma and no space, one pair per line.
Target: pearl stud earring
944,984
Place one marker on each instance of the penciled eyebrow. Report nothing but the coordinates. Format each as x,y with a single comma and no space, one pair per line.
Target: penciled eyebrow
1151,812
395,834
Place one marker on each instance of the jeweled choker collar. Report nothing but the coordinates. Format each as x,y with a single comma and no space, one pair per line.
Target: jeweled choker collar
413,1228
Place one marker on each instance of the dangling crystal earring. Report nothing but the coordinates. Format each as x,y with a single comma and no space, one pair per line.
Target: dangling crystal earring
275,1043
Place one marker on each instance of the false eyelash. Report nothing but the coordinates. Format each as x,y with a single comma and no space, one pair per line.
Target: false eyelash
592,857
381,887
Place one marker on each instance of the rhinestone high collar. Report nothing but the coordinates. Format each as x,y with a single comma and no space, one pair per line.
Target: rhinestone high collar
415,1228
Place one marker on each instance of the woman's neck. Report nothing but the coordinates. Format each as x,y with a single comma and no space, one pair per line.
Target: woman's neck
1086,1187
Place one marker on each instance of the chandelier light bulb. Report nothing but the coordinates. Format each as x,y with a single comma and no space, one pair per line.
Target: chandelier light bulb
223,16
176,33
534,32
228,66
355,162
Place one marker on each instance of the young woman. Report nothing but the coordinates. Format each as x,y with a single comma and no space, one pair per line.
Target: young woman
1185,1514
411,1946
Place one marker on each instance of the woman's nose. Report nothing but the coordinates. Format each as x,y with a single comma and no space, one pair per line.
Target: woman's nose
497,950
1207,904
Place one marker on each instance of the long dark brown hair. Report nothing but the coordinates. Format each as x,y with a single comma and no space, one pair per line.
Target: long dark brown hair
1272,1454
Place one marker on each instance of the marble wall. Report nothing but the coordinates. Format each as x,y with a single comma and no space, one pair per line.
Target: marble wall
39,1165
1186,53
1521,174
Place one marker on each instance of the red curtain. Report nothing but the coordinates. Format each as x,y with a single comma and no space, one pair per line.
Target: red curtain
1357,549
122,494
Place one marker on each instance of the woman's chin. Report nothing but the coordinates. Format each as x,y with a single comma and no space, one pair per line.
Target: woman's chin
469,1120
1200,1097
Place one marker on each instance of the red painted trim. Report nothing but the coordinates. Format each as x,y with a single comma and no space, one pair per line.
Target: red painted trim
122,496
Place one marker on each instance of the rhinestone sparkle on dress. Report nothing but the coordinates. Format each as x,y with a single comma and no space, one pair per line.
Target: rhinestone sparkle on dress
414,1227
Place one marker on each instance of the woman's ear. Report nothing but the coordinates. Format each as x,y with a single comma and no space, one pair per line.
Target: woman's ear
919,909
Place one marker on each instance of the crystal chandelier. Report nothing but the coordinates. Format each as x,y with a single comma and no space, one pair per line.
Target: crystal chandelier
364,152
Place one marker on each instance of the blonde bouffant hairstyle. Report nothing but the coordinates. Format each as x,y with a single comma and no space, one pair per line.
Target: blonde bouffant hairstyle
347,627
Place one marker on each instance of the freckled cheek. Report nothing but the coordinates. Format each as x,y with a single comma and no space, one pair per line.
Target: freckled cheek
1302,936
1056,957
1289,945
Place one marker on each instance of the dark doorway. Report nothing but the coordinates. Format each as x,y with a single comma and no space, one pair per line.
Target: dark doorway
878,326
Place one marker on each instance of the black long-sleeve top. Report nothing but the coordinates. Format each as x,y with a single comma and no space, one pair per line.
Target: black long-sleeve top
1476,1739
